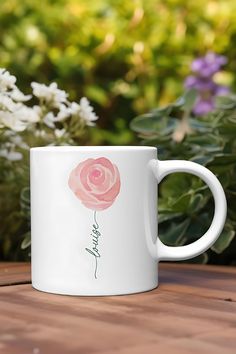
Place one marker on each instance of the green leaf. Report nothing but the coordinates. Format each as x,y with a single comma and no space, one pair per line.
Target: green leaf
162,111
25,202
202,160
223,159
205,140
153,124
228,129
201,259
146,123
181,204
223,241
200,126
26,241
196,203
174,235
199,225
190,97
175,185
225,102
166,216
179,102
25,195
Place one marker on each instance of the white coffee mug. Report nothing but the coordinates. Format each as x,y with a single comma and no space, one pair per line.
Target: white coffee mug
94,218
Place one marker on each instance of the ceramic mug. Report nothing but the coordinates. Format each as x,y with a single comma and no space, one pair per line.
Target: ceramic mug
94,218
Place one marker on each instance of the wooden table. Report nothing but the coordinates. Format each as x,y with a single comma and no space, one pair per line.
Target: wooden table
192,311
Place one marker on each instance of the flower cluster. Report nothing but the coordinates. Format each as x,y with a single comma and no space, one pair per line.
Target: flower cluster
204,69
14,114
52,119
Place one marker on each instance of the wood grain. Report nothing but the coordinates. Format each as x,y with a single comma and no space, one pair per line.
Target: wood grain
209,281
14,273
192,311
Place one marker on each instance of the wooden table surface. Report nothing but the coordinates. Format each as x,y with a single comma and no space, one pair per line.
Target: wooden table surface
192,311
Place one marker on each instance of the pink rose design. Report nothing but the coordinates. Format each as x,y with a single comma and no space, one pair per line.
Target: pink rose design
96,182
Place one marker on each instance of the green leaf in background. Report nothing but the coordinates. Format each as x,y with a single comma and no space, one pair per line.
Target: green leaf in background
175,234
153,123
208,142
181,204
164,216
223,241
175,185
202,160
26,241
201,259
224,159
189,97
146,123
25,202
200,126
225,102
228,129
197,201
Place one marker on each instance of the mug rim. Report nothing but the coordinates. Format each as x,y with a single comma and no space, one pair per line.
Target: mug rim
69,148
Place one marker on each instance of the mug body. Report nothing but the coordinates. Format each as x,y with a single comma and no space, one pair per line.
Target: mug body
88,219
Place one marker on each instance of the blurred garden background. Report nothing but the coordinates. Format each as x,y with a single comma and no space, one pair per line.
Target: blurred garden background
127,58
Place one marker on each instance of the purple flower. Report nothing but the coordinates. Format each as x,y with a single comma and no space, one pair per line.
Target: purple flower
208,65
221,90
200,84
203,106
204,69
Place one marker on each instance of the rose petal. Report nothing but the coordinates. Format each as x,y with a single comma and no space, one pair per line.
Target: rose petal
77,187
96,181
106,163
83,170
85,196
105,185
112,193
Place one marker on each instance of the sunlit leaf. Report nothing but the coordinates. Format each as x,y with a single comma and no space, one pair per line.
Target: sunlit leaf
26,241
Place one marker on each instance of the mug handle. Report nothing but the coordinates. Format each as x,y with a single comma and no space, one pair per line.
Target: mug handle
162,252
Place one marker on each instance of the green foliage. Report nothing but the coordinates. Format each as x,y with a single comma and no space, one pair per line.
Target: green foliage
185,204
125,56
14,223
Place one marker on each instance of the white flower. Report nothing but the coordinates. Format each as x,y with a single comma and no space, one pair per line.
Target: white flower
59,133
9,120
50,94
27,114
11,155
7,104
86,112
49,120
17,140
18,96
40,133
19,119
75,108
38,110
6,80
64,113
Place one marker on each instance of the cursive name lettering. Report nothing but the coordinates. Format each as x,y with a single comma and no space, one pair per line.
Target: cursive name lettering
94,251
